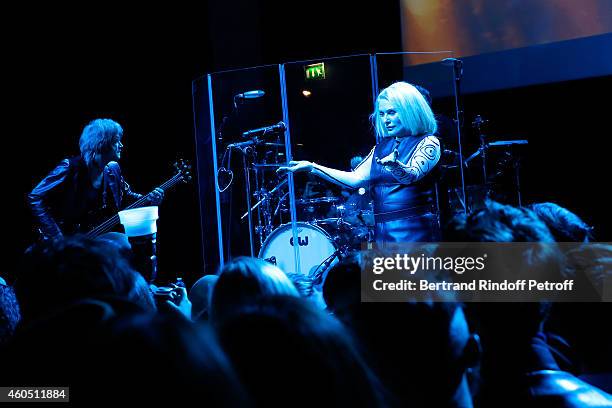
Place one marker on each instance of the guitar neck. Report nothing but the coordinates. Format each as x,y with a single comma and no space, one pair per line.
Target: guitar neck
112,222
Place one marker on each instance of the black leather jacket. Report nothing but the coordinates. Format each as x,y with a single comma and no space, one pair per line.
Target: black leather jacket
59,203
403,212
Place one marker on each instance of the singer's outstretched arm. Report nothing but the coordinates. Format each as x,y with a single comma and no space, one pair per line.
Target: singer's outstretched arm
350,179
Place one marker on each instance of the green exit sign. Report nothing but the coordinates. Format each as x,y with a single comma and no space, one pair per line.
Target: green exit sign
315,71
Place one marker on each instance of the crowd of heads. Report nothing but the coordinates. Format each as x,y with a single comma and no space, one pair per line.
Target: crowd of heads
79,314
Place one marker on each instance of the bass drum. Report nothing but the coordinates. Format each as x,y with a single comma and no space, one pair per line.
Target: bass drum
316,247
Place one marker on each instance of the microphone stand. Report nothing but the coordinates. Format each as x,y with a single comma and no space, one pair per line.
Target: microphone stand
219,140
248,197
245,149
225,119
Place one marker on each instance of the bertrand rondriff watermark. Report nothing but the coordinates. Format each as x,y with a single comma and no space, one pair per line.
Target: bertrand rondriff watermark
485,272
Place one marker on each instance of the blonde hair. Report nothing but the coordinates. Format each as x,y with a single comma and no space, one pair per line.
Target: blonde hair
413,110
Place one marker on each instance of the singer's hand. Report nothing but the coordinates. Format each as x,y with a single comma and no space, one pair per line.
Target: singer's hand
390,160
296,166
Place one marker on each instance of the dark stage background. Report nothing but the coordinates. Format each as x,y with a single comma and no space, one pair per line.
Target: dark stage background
136,66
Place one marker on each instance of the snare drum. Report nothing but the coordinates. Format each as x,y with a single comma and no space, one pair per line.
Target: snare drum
316,247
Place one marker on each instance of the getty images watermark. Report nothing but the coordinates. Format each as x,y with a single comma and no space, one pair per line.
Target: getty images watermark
487,272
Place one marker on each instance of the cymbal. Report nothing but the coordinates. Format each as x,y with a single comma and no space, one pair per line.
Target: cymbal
308,201
269,165
508,142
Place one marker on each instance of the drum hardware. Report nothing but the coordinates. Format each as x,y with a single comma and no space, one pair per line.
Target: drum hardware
317,274
265,226
508,143
263,196
477,124
314,209
263,231
246,148
272,166
343,233
484,148
450,159
247,185
508,158
281,202
514,160
458,120
318,200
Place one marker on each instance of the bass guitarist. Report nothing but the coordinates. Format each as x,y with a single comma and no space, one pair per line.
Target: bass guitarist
82,189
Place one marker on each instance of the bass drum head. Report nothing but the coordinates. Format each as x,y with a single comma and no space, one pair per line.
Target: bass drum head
315,248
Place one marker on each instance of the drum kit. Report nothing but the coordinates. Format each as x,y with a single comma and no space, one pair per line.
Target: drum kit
329,228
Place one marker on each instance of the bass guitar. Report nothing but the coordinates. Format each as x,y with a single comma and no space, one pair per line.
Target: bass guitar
92,226
183,175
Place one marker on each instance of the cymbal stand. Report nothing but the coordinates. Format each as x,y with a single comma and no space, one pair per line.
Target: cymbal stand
517,166
281,202
477,124
262,195
457,65
264,206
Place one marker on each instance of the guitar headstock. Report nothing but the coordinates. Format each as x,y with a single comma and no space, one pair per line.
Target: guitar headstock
183,168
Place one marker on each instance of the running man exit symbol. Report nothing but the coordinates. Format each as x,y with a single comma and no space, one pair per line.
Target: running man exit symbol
315,71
